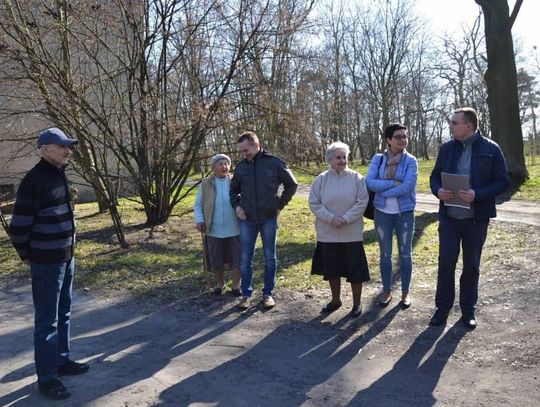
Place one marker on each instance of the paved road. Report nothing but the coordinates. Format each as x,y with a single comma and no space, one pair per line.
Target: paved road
514,210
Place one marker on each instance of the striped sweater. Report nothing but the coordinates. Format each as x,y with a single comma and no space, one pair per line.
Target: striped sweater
42,226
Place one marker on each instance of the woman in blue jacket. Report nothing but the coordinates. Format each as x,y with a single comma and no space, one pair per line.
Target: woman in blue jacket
392,176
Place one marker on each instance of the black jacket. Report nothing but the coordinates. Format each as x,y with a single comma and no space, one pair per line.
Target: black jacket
489,176
255,184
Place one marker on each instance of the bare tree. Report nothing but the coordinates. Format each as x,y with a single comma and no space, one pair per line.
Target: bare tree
529,96
268,88
461,66
387,35
419,93
501,81
144,81
37,47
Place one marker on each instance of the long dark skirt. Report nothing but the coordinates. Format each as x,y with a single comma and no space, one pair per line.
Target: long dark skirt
222,251
334,260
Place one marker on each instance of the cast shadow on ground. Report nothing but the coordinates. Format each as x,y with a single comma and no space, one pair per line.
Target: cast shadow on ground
421,222
108,233
411,381
124,345
290,361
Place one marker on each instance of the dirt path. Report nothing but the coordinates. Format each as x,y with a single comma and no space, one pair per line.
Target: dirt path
201,351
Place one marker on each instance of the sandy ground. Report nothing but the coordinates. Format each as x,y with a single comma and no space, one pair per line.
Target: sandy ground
201,351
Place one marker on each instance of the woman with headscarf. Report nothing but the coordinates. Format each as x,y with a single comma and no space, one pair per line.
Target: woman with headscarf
216,219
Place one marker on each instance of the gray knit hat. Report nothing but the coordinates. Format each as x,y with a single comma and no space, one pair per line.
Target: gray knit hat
218,157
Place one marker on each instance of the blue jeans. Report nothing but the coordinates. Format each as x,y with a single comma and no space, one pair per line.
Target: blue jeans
51,292
471,235
403,225
248,236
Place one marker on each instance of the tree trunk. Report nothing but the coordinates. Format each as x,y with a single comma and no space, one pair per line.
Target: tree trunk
501,81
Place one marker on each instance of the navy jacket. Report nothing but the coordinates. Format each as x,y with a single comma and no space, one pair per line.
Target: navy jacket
255,184
488,178
42,226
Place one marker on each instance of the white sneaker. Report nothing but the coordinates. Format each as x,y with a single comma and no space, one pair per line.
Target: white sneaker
245,303
268,302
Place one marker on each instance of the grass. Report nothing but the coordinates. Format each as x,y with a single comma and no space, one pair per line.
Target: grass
530,190
166,263
307,175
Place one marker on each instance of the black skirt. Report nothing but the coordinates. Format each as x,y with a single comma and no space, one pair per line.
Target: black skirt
334,260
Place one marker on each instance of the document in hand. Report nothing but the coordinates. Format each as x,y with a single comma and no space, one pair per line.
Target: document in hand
454,183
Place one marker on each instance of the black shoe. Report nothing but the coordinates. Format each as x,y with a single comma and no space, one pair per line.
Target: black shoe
71,368
217,290
468,320
406,303
236,292
331,307
383,302
439,318
54,390
356,311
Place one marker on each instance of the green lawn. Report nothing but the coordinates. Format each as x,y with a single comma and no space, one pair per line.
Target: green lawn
166,263
169,264
529,191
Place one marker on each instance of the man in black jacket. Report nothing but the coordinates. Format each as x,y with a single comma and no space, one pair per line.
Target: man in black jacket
43,232
254,195
481,159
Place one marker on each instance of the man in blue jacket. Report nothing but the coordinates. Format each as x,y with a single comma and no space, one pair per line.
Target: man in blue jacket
469,153
43,232
254,195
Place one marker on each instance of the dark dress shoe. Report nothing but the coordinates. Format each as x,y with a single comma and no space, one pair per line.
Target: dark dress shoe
236,292
383,302
71,368
406,303
54,390
439,318
217,290
469,321
331,307
356,311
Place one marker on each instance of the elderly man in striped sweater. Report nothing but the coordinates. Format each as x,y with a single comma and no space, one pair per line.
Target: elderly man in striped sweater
43,232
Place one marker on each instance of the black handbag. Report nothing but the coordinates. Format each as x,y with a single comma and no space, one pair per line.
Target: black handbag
369,213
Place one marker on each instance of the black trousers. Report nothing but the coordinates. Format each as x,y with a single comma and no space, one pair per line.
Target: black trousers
470,235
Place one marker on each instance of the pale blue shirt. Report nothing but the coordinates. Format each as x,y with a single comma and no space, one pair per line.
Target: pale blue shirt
224,219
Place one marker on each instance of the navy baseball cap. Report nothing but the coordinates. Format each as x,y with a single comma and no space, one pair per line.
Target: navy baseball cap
55,136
